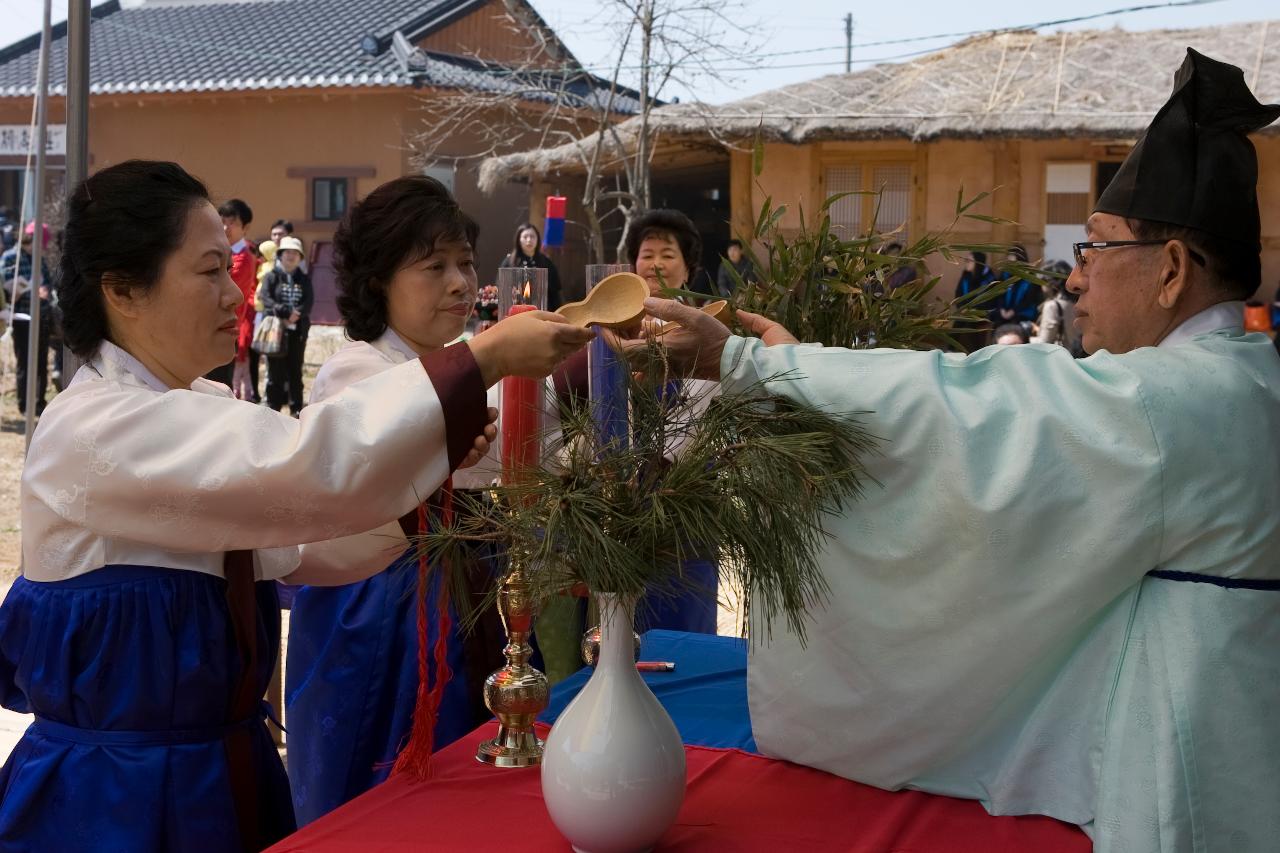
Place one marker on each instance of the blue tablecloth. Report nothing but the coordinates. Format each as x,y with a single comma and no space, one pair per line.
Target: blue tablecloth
706,696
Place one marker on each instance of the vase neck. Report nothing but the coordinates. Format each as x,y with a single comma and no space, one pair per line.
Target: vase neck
617,638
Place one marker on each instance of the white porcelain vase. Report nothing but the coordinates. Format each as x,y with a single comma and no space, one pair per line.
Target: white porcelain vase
613,770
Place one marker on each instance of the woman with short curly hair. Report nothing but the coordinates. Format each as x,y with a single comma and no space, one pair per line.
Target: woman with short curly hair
665,248
398,225
405,261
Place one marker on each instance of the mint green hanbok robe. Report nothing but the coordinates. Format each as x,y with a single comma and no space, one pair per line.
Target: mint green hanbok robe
1063,598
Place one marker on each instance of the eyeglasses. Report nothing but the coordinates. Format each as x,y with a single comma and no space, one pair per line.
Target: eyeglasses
1078,249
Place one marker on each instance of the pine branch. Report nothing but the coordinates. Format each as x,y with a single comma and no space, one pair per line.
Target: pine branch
753,481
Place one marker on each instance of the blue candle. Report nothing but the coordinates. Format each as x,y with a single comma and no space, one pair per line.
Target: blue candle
608,377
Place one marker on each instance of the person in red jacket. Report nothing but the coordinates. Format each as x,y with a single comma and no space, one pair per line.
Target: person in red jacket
241,373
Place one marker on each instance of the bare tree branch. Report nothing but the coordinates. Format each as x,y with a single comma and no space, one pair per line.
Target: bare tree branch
543,89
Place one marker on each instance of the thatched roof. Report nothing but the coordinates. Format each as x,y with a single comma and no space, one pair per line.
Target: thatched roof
1093,83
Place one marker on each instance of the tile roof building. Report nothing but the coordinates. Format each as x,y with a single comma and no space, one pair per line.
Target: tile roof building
297,106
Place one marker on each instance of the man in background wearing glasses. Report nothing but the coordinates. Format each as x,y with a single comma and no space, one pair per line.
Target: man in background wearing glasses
1099,642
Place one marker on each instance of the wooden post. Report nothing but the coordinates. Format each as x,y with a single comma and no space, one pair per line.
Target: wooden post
36,349
1007,203
919,192
741,204
77,127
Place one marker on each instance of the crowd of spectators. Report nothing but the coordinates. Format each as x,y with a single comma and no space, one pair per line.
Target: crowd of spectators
274,276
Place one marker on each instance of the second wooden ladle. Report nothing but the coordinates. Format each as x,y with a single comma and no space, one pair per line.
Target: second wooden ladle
718,309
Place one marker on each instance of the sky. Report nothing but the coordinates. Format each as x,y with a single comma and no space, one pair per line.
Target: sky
794,40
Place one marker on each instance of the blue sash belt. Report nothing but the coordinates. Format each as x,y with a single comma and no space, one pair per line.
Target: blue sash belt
159,737
1268,584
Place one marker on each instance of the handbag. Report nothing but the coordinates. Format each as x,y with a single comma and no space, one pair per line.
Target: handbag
268,338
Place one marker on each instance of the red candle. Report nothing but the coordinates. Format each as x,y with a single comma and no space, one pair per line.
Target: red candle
521,418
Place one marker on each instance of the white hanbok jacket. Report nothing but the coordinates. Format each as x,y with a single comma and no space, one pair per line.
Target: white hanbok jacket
123,470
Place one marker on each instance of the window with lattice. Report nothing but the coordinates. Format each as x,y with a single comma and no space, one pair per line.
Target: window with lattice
847,212
884,196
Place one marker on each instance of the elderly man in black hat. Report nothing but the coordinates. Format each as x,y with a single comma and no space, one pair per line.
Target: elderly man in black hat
1105,651
1177,231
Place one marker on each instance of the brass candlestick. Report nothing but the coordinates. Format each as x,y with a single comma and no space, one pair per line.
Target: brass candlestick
517,693
590,647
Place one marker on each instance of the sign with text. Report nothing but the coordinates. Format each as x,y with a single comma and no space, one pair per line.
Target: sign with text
19,139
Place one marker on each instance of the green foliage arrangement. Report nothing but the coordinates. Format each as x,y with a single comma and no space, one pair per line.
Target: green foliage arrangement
827,289
836,291
753,479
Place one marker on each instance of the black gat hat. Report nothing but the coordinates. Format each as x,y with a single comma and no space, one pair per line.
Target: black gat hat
1194,166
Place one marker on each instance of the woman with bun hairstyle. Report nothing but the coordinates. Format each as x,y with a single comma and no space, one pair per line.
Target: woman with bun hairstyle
158,511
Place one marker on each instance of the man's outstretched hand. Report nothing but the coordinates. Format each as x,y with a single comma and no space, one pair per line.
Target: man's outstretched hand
694,348
769,331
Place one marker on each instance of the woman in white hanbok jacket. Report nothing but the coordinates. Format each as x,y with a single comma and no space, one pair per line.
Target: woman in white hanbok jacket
405,264
157,513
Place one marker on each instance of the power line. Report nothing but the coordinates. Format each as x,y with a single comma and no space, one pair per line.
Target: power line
829,63
499,71
997,31
1015,28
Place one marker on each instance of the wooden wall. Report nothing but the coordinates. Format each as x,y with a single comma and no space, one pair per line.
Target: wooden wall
1013,171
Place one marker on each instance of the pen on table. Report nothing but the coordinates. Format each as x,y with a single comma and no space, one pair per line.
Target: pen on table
655,666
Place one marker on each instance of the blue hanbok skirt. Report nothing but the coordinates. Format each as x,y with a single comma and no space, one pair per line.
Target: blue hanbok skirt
351,682
130,672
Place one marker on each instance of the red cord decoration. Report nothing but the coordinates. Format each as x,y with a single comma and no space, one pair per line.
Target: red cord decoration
415,758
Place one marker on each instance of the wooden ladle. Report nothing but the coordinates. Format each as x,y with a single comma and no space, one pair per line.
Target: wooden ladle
617,300
718,309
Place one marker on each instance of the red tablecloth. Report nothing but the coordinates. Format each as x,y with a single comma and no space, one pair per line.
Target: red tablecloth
735,801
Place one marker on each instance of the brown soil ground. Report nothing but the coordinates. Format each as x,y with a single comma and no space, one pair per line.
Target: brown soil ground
11,446
322,342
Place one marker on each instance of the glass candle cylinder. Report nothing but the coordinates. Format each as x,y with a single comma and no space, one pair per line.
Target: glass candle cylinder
521,286
607,374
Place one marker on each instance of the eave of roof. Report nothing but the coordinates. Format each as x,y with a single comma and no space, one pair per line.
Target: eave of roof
164,29
1079,84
